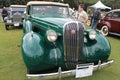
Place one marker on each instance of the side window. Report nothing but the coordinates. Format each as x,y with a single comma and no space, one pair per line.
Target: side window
109,15
116,15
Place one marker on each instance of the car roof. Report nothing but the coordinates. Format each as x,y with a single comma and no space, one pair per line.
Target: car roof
18,6
114,10
45,2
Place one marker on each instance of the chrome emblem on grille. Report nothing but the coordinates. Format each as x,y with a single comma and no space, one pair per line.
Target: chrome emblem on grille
73,32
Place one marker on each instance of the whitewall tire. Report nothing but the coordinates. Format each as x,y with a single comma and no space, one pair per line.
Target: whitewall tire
104,30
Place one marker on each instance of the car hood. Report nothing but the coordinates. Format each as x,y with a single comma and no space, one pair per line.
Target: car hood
53,23
57,21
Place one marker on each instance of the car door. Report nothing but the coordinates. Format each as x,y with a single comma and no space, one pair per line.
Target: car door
115,22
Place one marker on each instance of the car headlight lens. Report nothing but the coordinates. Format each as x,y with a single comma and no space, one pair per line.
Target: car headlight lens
92,34
51,35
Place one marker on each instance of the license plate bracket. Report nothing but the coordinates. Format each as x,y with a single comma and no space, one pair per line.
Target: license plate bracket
16,24
84,70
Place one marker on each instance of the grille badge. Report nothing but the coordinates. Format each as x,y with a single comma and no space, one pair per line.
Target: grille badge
73,32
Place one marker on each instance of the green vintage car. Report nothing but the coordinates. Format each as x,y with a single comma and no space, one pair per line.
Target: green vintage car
54,44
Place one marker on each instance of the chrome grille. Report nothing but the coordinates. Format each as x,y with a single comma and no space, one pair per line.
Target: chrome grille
17,18
73,43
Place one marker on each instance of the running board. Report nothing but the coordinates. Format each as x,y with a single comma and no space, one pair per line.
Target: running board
114,33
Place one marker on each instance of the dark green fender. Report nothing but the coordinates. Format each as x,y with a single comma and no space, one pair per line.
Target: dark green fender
95,50
39,55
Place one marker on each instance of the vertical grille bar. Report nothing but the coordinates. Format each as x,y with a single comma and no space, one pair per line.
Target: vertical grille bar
73,43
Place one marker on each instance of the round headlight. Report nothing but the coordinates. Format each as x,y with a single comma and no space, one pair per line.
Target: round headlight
51,35
92,34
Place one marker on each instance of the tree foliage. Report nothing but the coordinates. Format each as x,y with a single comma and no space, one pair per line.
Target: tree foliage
72,3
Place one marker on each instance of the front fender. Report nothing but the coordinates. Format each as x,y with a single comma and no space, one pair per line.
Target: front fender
39,55
109,25
32,49
103,23
95,50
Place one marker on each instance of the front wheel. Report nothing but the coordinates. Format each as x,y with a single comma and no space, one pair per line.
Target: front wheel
104,30
7,27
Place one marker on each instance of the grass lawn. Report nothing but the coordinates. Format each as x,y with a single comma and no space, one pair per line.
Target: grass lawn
12,66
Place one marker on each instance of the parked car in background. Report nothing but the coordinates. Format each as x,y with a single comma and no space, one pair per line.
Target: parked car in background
110,24
15,16
54,44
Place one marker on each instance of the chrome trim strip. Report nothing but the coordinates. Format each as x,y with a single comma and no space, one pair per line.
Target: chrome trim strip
56,56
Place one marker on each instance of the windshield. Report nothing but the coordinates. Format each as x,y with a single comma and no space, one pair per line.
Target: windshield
18,9
50,11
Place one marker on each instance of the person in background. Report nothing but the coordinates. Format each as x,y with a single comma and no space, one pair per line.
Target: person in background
4,13
82,15
95,18
90,13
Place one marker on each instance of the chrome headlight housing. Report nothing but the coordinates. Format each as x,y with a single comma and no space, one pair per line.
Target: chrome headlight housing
51,35
92,34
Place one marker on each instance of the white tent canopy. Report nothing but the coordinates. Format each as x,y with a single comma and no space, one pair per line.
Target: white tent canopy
100,5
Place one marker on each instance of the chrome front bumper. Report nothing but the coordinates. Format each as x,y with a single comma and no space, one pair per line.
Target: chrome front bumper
67,73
